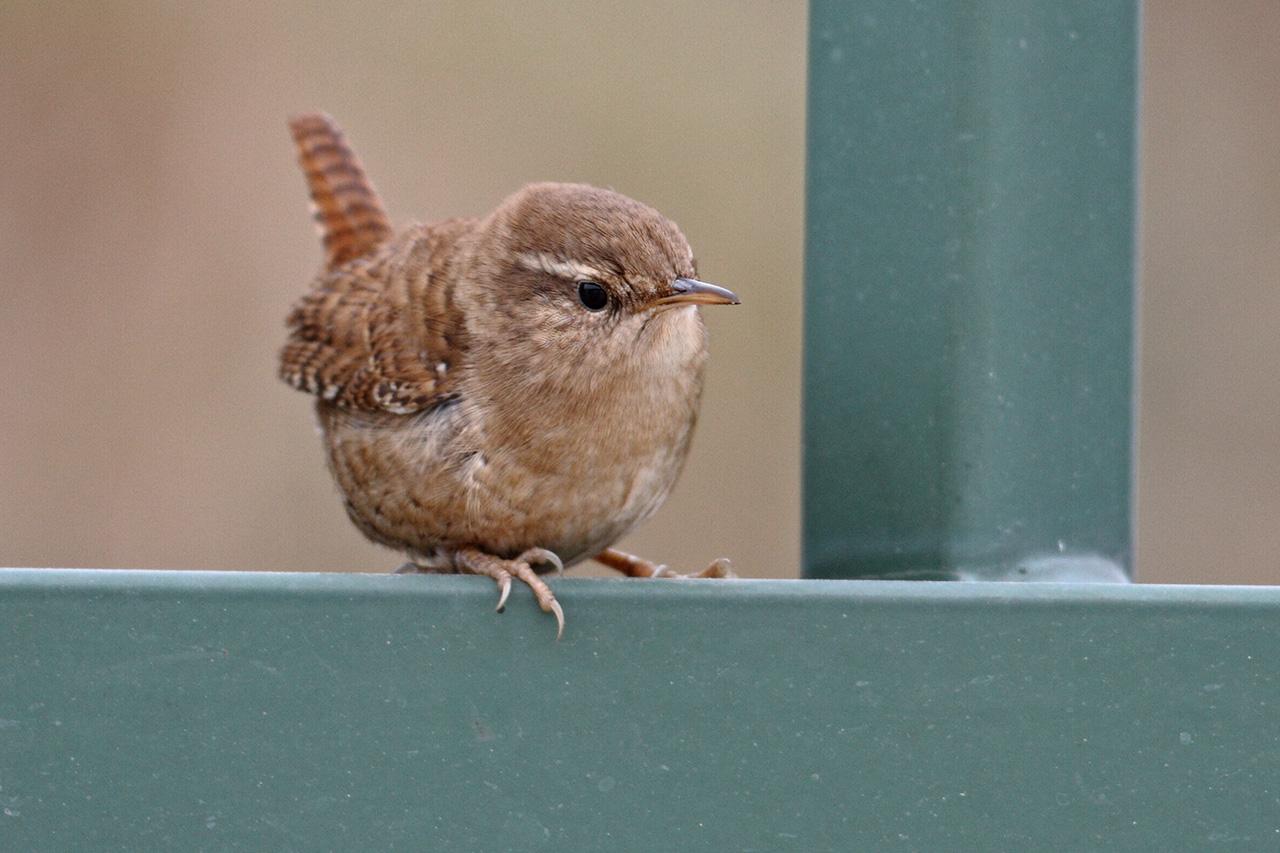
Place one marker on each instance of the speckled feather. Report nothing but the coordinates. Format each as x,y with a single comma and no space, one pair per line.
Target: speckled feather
379,333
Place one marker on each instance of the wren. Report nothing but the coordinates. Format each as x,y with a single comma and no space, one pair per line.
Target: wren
504,395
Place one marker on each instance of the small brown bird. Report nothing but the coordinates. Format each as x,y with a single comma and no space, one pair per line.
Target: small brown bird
501,396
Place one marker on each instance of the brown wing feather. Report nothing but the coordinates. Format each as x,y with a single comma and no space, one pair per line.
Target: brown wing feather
361,341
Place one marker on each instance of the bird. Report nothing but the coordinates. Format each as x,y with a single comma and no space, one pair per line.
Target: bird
504,395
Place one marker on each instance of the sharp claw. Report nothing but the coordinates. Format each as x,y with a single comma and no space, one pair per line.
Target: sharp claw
541,556
504,586
555,608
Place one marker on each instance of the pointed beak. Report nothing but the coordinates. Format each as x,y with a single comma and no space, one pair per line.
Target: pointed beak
690,291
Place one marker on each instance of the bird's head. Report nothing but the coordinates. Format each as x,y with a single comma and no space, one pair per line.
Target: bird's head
587,280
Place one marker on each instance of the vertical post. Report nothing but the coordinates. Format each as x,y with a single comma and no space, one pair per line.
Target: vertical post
969,289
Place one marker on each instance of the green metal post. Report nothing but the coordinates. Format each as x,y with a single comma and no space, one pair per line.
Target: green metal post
969,294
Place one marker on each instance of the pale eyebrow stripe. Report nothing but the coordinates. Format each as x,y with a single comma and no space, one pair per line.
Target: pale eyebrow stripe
542,262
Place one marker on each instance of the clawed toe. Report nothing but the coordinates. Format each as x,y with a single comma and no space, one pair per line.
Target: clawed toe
542,557
719,568
542,592
502,571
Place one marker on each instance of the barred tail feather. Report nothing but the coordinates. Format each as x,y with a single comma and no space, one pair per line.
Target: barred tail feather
348,212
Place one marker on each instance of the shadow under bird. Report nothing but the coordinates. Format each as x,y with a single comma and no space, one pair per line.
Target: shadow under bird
502,396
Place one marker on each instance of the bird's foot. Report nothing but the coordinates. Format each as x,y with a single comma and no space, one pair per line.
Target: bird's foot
412,568
476,562
636,567
720,567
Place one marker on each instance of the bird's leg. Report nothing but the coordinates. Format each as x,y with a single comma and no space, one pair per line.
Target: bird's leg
477,562
629,564
636,567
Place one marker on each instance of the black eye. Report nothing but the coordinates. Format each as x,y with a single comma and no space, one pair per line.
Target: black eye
592,295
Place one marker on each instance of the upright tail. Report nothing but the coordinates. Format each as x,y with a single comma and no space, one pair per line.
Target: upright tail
348,212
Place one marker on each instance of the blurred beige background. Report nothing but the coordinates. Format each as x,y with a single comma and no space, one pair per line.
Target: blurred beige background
1209,408
154,230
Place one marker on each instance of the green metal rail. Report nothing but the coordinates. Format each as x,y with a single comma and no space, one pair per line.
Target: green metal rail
151,710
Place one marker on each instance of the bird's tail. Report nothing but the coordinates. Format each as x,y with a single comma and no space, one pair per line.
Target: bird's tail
348,212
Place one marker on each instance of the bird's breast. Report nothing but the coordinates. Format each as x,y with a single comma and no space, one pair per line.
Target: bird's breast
570,466
593,458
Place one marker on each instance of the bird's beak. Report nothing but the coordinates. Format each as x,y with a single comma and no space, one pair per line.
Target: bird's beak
690,291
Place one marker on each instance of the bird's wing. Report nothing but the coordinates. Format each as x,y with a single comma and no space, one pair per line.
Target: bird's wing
377,334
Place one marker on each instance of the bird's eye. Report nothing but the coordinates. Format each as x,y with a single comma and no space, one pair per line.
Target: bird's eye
592,295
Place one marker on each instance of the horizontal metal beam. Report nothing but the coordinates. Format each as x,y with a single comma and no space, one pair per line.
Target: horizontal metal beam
302,711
